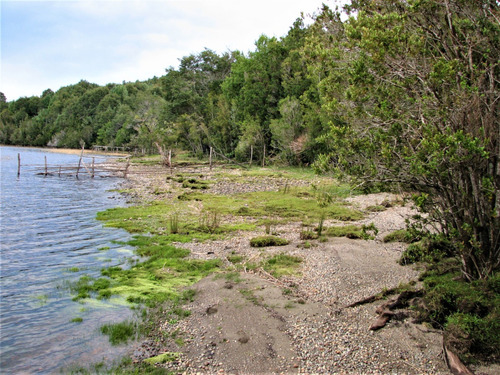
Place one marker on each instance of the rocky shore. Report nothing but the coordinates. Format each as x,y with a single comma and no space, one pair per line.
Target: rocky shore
248,322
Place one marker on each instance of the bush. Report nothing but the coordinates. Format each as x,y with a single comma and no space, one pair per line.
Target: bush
264,241
469,312
426,250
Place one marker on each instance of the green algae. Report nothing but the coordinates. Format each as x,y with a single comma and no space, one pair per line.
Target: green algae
163,358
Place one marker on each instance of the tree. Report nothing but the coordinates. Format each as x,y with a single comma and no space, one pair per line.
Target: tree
413,91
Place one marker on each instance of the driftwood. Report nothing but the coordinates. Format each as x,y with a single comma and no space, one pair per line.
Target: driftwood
385,310
454,364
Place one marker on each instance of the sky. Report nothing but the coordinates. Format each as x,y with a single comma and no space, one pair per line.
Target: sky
51,44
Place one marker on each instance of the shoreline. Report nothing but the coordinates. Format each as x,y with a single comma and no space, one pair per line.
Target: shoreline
70,151
255,323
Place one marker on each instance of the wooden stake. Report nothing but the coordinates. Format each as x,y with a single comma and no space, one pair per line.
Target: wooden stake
126,168
18,165
93,171
79,163
251,154
170,160
264,156
59,171
210,160
45,165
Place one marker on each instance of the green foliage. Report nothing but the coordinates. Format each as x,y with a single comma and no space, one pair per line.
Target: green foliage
437,134
264,241
468,312
429,249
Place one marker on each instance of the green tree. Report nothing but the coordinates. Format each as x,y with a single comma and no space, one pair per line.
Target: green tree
413,91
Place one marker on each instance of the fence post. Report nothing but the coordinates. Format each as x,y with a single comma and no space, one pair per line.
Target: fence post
170,160
18,165
126,168
210,160
251,155
46,172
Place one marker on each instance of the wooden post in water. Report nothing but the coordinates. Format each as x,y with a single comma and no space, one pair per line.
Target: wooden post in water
59,171
210,159
79,163
18,165
45,165
93,160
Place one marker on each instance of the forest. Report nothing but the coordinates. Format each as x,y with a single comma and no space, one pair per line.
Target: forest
401,93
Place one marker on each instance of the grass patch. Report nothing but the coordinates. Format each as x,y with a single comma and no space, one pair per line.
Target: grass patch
87,287
264,241
349,231
76,320
401,235
119,333
235,259
282,264
353,231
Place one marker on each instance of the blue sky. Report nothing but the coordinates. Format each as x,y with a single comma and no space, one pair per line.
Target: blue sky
50,44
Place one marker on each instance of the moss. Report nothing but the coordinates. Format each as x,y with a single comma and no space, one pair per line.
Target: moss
264,241
163,358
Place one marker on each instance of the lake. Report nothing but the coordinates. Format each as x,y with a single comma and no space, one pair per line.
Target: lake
49,237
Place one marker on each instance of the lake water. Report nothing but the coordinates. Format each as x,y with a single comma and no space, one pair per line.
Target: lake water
49,237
